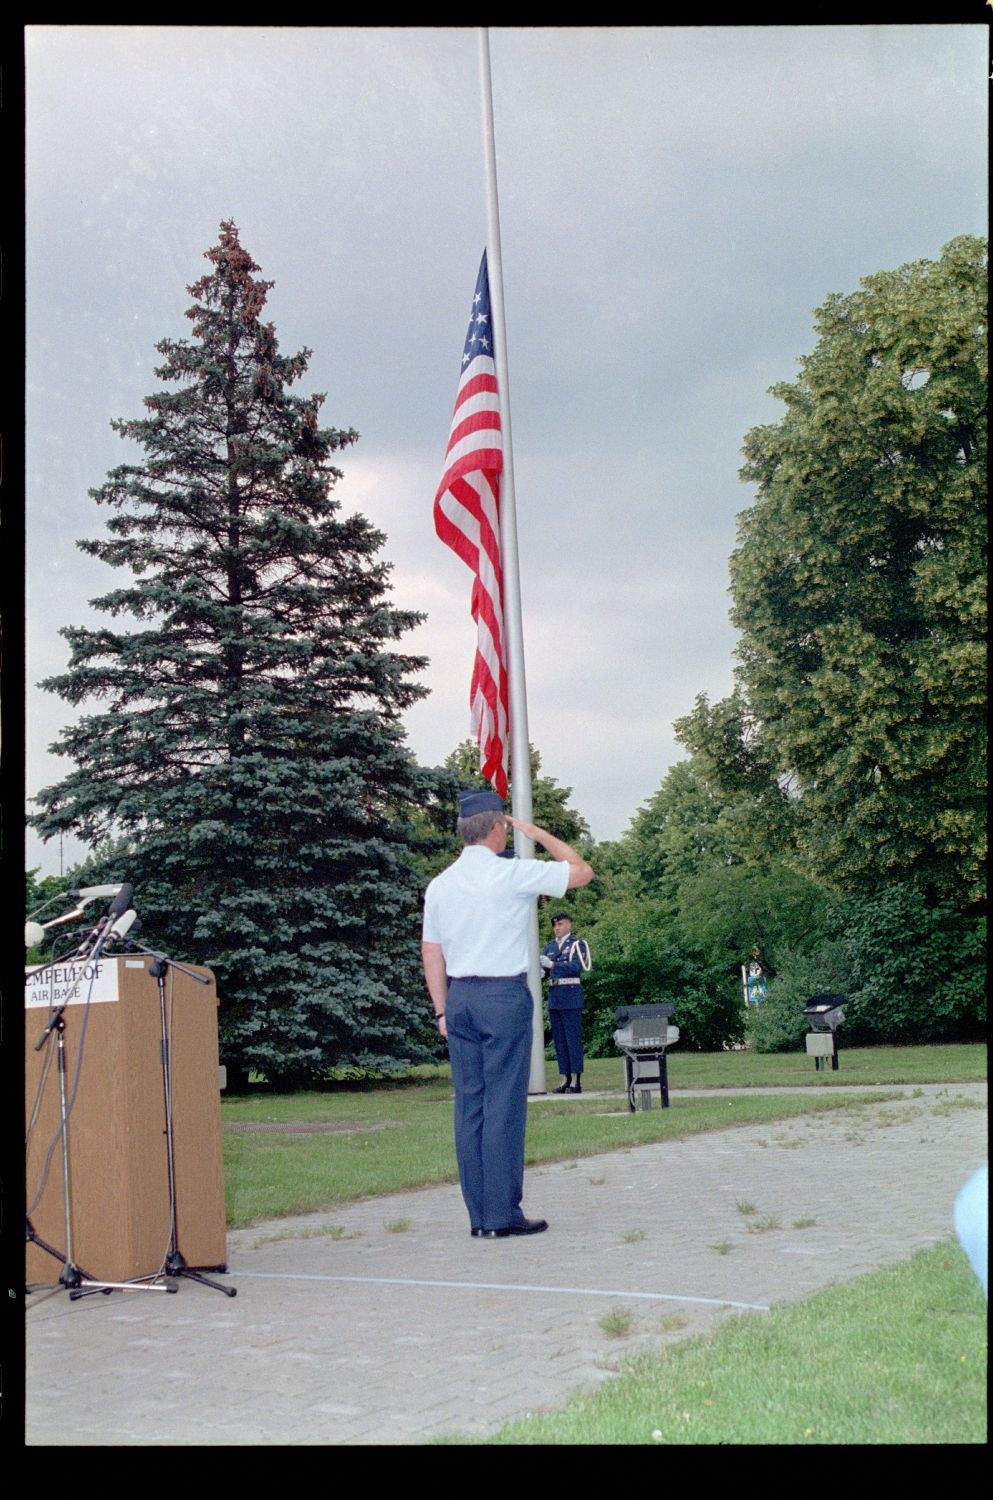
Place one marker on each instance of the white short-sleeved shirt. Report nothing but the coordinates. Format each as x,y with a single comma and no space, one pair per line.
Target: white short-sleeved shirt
479,910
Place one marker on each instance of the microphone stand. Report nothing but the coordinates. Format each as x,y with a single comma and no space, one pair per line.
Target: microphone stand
174,1264
72,1276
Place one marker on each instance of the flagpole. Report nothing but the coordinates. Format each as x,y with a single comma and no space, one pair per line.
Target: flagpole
520,749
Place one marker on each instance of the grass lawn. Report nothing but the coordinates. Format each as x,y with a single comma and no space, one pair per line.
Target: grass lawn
966,1063
306,1152
898,1356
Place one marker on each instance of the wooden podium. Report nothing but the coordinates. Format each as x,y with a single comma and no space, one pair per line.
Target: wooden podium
118,1156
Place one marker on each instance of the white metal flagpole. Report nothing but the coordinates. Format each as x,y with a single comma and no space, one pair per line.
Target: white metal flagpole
520,750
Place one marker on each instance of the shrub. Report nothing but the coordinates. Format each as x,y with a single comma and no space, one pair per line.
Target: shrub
918,970
639,958
778,1024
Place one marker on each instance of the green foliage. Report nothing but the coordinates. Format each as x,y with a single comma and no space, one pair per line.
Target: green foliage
248,745
857,733
693,867
746,794
778,1023
732,911
850,757
913,973
677,831
38,893
918,971
686,897
641,958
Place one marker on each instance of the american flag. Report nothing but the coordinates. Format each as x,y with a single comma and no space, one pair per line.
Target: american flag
467,519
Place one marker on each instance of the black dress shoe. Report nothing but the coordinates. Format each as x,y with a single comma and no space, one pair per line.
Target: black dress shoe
562,1089
574,1088
526,1226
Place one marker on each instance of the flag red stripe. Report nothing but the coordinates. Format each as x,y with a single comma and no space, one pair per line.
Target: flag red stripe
456,535
477,421
466,463
467,519
473,386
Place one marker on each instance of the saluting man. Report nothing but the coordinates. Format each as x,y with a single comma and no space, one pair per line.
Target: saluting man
477,920
564,961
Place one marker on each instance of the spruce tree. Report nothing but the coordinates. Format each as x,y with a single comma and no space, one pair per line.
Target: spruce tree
248,744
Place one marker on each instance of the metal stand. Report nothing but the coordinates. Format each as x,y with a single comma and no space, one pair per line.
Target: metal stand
76,1281
643,1035
825,1014
635,1074
823,1048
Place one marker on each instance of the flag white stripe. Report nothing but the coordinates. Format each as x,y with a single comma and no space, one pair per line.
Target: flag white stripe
467,518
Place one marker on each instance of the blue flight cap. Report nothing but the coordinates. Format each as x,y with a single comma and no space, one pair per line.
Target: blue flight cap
472,802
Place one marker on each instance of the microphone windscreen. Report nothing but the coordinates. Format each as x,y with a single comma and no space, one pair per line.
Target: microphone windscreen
124,924
121,901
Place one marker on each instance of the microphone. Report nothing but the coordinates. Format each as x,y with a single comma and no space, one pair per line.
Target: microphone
117,908
34,932
95,892
67,916
122,926
121,901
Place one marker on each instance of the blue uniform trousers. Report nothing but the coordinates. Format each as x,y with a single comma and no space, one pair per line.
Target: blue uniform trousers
567,1034
489,1043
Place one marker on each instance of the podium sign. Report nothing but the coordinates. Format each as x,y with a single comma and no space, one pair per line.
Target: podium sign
83,982
118,1165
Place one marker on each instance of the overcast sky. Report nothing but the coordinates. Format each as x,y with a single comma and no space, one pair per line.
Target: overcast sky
674,204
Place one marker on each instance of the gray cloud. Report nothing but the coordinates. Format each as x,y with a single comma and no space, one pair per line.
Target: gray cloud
674,204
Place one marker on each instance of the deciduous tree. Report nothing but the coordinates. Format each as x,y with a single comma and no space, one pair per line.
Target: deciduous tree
859,587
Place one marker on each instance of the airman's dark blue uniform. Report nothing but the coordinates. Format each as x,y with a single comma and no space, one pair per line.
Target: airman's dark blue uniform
564,961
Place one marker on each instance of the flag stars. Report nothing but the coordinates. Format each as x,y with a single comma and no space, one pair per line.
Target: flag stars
475,343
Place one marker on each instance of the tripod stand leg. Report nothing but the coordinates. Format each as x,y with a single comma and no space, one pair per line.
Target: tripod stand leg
71,1274
140,1284
175,1265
